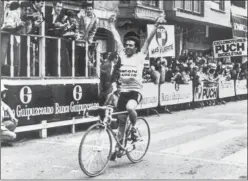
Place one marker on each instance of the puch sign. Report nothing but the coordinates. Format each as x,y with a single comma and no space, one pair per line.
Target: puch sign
230,48
206,91
163,43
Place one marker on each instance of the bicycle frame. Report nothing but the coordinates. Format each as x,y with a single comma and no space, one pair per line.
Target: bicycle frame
106,125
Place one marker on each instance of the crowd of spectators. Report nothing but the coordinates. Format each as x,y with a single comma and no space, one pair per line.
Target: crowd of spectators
194,67
26,17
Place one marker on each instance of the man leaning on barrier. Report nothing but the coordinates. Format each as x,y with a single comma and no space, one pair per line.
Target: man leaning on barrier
7,126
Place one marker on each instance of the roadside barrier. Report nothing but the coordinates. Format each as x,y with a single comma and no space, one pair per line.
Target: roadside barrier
155,96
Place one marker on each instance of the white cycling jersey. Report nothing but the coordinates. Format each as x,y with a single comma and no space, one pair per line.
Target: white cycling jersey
131,71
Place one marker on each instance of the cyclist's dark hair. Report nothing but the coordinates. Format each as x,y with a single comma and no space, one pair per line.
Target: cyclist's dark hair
135,39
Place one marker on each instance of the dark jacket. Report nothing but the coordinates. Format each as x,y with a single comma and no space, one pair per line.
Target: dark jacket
32,17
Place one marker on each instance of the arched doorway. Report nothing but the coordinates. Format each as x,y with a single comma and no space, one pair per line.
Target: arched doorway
106,41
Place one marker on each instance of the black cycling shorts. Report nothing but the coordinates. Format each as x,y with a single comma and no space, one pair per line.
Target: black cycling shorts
125,97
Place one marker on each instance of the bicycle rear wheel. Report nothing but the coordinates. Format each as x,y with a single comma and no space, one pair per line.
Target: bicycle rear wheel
95,150
141,146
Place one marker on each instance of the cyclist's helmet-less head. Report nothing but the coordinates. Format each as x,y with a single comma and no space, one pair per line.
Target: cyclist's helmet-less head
131,45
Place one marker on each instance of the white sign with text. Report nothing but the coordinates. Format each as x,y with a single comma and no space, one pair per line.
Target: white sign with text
172,93
230,48
163,43
149,96
226,89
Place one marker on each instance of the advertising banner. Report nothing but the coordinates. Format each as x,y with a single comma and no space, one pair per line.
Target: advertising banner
150,96
163,43
56,101
226,89
241,87
172,93
206,91
239,26
230,48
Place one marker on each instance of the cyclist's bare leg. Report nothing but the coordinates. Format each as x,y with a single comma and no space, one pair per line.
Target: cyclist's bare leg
131,106
122,124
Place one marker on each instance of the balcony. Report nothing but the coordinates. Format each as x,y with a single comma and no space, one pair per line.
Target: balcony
141,10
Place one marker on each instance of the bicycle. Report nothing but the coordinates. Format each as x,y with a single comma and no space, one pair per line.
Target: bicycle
104,126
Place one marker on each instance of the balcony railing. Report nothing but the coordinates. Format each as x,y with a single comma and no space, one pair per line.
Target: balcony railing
146,10
44,56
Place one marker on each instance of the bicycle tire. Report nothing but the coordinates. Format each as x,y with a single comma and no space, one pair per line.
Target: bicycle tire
129,154
82,166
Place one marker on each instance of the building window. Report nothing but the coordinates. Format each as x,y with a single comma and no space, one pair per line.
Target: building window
240,4
153,3
197,6
219,4
188,5
125,1
194,6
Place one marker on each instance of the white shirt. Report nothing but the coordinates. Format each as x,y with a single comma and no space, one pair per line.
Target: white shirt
131,71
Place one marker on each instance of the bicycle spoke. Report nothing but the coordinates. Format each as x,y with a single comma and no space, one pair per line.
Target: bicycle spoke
142,143
90,160
97,143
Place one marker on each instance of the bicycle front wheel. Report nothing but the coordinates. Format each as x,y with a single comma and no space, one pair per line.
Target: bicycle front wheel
141,146
95,150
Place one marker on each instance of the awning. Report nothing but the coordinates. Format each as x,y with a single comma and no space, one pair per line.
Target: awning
196,46
239,25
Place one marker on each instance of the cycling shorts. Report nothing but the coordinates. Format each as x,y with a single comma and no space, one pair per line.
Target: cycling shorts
125,97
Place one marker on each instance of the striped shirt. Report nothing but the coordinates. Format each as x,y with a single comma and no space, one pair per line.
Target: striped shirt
131,71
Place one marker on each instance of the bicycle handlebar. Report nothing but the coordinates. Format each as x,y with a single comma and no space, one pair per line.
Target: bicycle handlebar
100,107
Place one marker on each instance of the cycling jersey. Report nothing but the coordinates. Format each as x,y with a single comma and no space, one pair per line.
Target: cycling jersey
130,72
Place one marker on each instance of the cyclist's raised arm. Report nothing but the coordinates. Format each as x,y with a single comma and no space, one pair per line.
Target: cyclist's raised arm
159,20
116,35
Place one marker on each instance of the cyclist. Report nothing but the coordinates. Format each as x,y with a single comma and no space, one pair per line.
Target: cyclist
129,75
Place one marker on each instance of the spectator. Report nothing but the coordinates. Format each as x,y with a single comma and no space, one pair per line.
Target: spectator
87,30
72,29
163,70
202,59
177,77
169,74
56,26
155,75
183,57
107,77
185,75
12,24
7,126
87,23
33,17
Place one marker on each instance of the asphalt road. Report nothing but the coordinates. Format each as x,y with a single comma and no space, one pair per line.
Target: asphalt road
204,143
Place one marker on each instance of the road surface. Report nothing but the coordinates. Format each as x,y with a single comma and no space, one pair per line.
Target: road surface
205,143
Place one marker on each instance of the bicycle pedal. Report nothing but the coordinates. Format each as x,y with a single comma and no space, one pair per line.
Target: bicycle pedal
130,148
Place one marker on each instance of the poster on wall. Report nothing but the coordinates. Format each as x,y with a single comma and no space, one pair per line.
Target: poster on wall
163,43
230,48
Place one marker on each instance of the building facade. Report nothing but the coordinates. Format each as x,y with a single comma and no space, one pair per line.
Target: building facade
199,23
